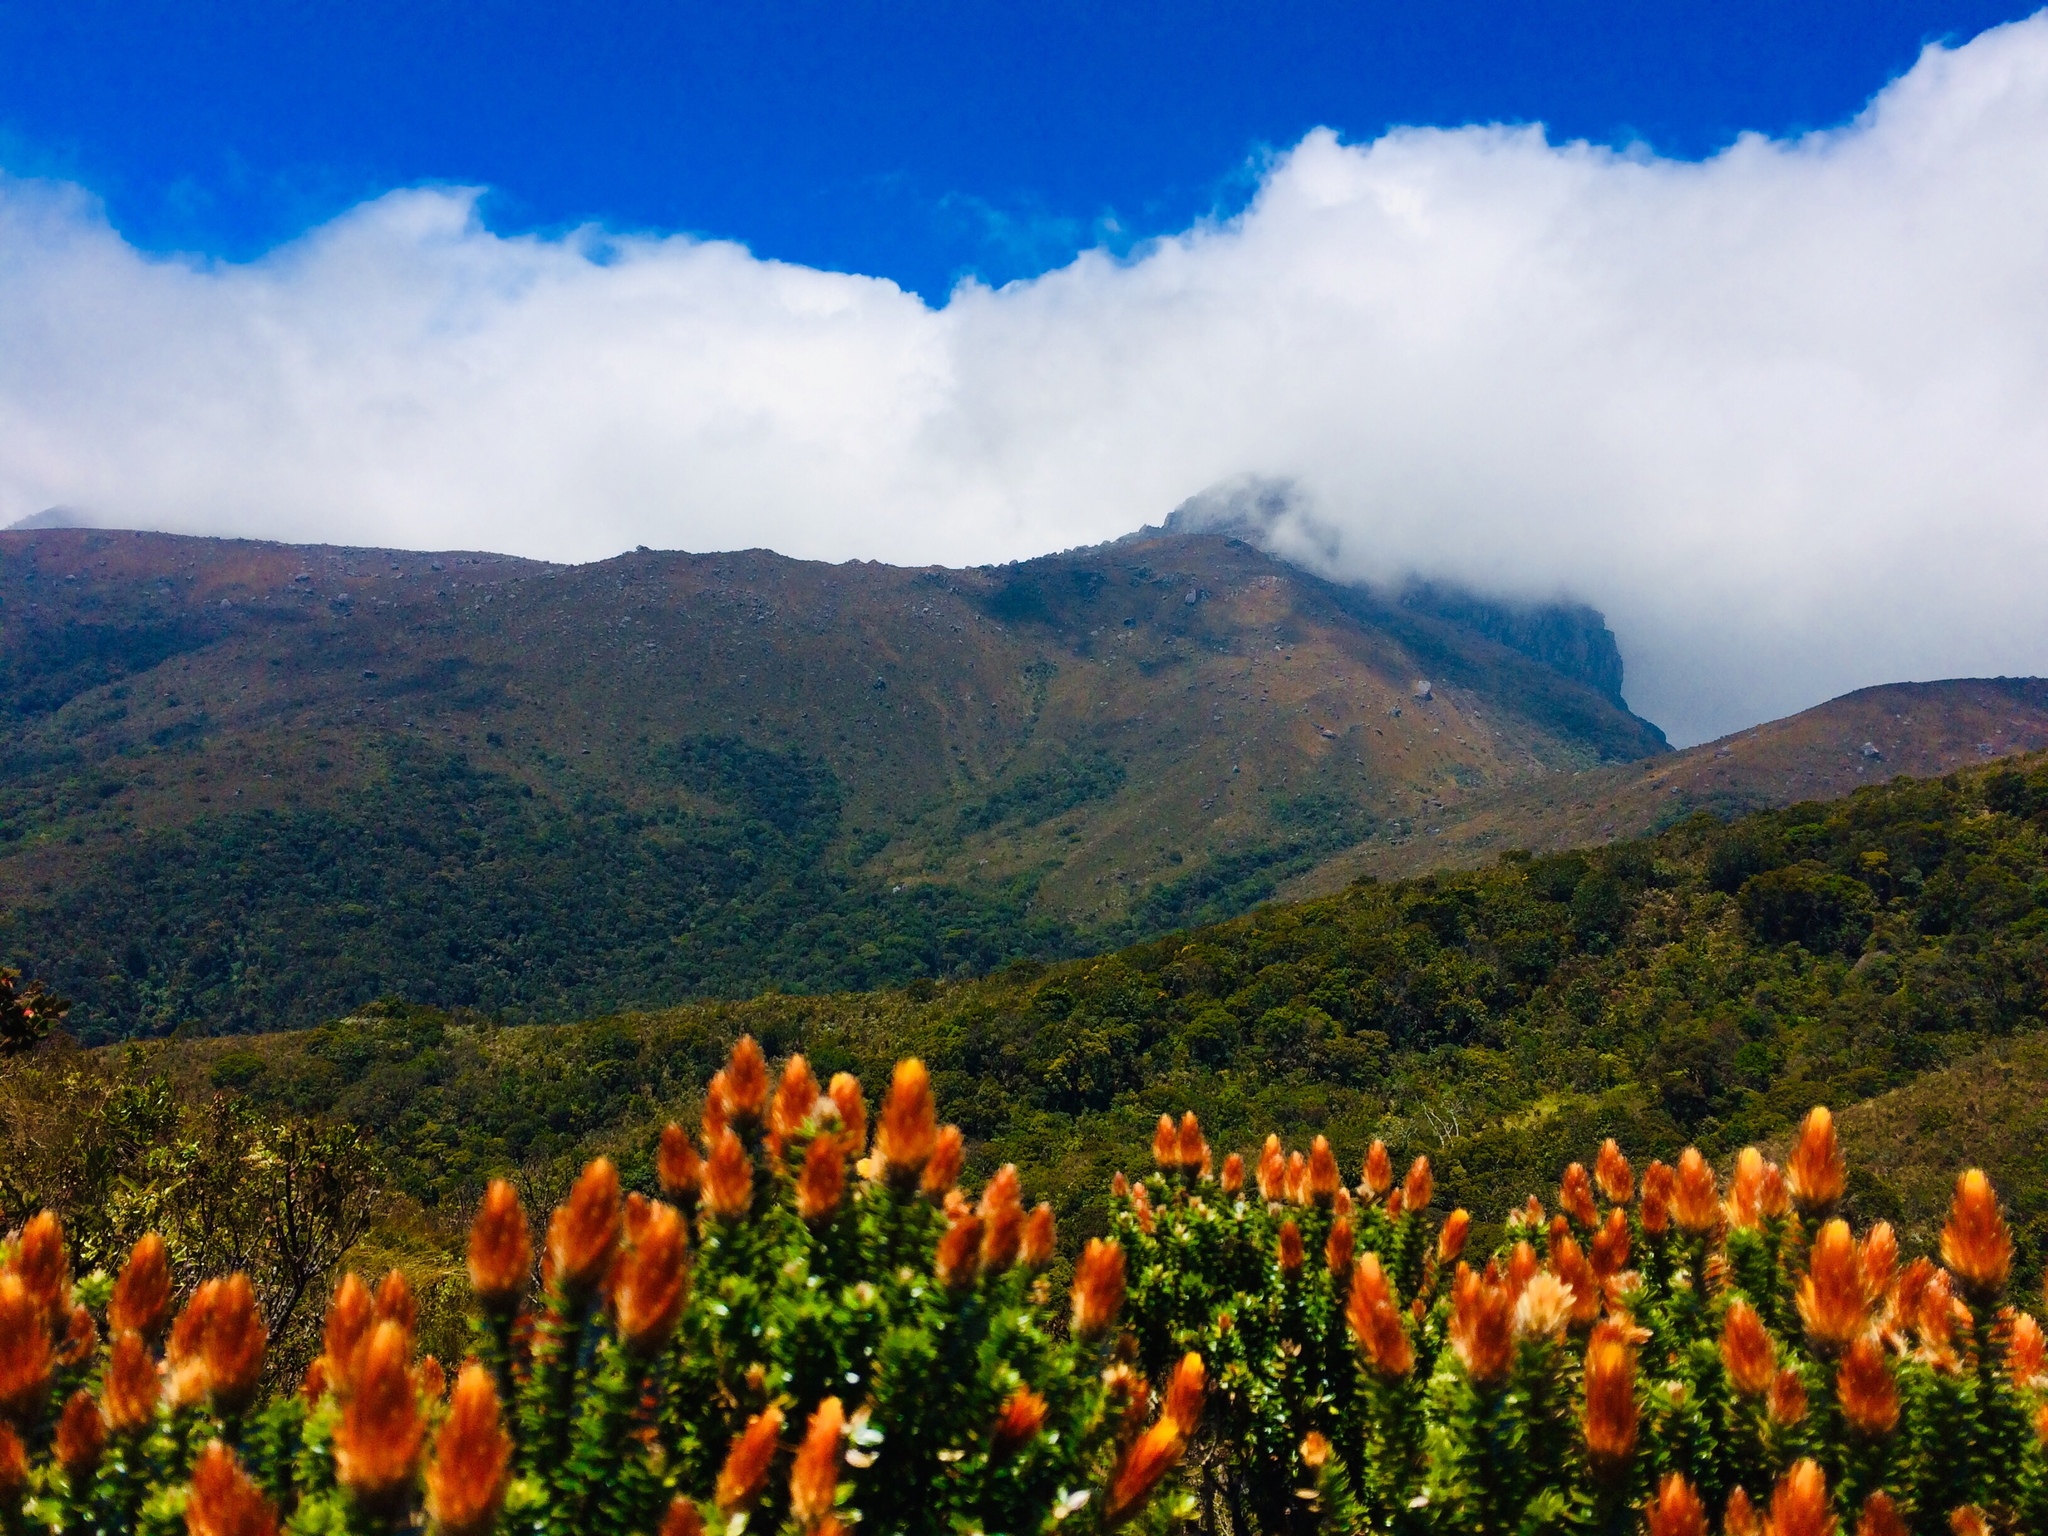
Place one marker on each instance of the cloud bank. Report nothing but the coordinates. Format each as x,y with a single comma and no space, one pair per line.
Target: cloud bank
1783,415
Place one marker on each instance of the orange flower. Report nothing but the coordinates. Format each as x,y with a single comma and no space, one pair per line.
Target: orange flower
728,1179
1166,1144
1739,1518
845,1094
1610,1169
1975,1244
1194,1150
1002,1220
1018,1424
1816,1172
1272,1171
1522,1267
653,1278
1695,1200
377,1444
796,1099
1968,1520
683,1518
1323,1177
141,1302
472,1455
1291,1254
1417,1188
1865,1389
433,1380
500,1248
949,1155
81,1337
1119,1186
13,1468
1879,1260
349,1316
583,1234
717,1107
1658,1187
822,1183
1337,1247
1575,1197
1297,1179
1233,1174
25,1354
1788,1397
233,1345
1141,1207
1677,1510
395,1303
959,1256
131,1384
1746,1190
745,1473
910,1125
1799,1504
223,1501
1376,1321
1378,1176
746,1082
42,1263
676,1164
1832,1302
1544,1306
1149,1458
1315,1450
1881,1517
81,1436
2027,1352
814,1479
1451,1241
1568,1263
1747,1353
1482,1323
1035,1251
1185,1390
1610,1245
1098,1287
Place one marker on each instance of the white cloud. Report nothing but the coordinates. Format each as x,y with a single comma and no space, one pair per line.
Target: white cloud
1783,415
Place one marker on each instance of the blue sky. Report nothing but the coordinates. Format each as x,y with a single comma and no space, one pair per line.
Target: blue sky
913,141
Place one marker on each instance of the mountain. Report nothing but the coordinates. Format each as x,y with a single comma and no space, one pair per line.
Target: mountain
1866,737
248,784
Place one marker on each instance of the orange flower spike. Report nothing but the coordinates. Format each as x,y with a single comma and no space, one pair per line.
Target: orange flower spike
676,1164
1186,1389
1166,1144
13,1467
814,1478
395,1302
42,1263
949,1156
377,1444
1832,1301
141,1302
1968,1520
1297,1179
746,1082
1800,1505
233,1345
745,1473
1035,1251
717,1107
1677,1510
1098,1287
1788,1397
1023,1416
1610,1245
1119,1186
683,1518
1150,1457
1881,1517
1879,1260
1272,1171
1338,1247
1739,1518
1450,1242
26,1357
796,1098
81,1337
1141,1207
1233,1175
822,1183
1610,1371
81,1436
1865,1389
1695,1200
1323,1178
1816,1172
1375,1320
1746,1190
131,1385
1378,1175
472,1457
583,1234
1194,1149
958,1260
1774,1199
223,1501
1612,1173
1001,1210
728,1182
1747,1353
349,1316
1482,1324
1975,1244
2026,1353
1315,1450
909,1132
1522,1267
1568,1263
1658,1186
1418,1188
653,1281
433,1380
1290,1250
1575,1197
501,1248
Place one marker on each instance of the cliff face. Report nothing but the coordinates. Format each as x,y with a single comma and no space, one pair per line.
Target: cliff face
1569,638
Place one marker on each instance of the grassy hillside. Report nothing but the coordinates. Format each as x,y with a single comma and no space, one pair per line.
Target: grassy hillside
247,785
1706,985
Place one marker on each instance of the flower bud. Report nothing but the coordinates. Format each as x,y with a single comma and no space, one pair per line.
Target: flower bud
653,1279
1482,1323
1166,1145
349,1316
909,1132
822,1183
1881,1517
1610,1371
814,1478
677,1165
1002,1220
1418,1187
1450,1242
1140,1470
1865,1389
745,1473
853,1111
25,1354
583,1234
1788,1397
1658,1187
1290,1250
1375,1320
223,1501
1747,1352
1695,1200
395,1302
1816,1172
1677,1510
1575,1197
1975,1244
141,1302
746,1083
1610,1245
1800,1505
1233,1174
1611,1171
949,1155
500,1249
1832,1301
472,1458
728,1179
81,1436
1036,1249
1272,1171
1739,1518
959,1256
131,1386
1194,1149
1018,1424
43,1264
1098,1287
233,1345
796,1099
377,1443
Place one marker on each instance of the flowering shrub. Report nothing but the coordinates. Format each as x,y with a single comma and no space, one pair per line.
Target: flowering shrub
805,1333
1646,1357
